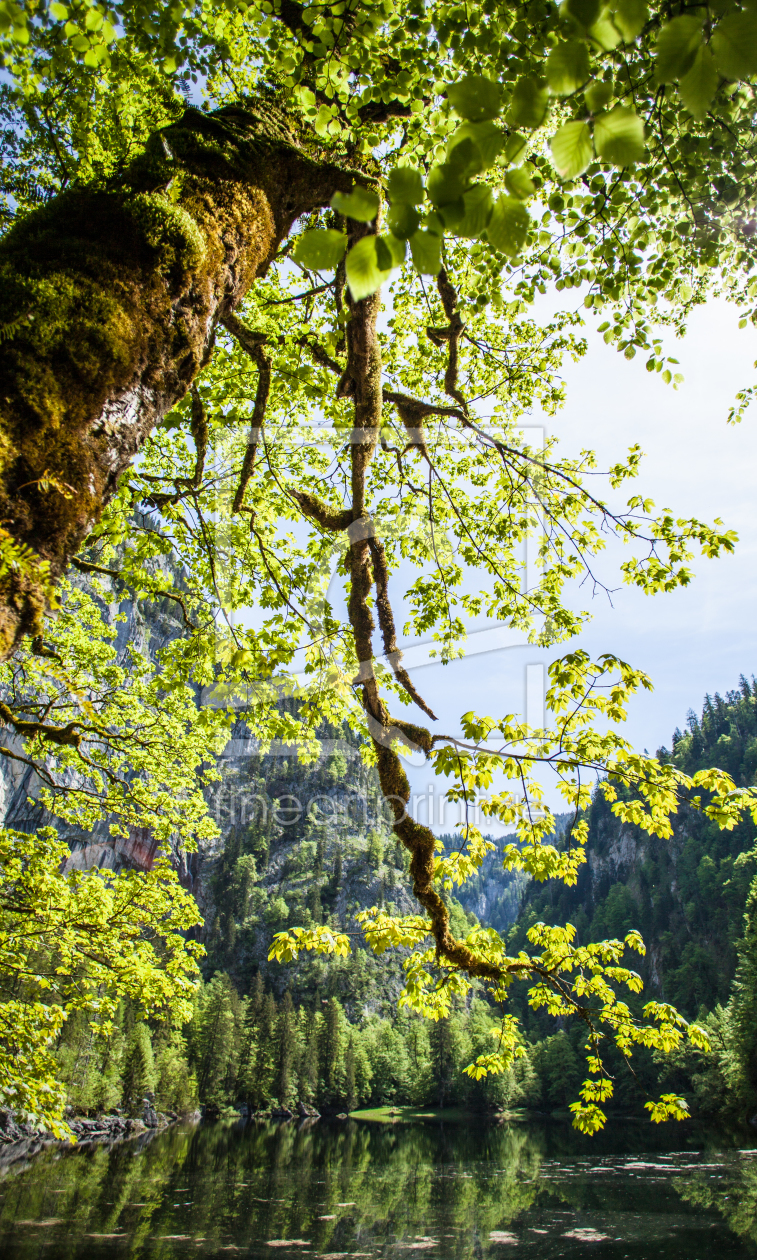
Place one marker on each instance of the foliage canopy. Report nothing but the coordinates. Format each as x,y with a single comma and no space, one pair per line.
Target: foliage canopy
332,455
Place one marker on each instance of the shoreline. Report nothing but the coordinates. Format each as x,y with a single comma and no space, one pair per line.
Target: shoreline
21,1141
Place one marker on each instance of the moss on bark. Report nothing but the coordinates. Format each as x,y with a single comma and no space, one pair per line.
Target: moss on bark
113,296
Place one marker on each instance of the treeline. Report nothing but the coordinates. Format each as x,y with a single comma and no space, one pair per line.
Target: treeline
258,1054
694,899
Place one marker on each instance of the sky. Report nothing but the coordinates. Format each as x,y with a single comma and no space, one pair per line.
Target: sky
693,641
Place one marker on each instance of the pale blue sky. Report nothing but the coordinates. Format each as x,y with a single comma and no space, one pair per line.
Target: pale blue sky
695,640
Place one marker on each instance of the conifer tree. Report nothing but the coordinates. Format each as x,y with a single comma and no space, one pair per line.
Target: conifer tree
265,1059
286,1080
214,1040
447,1051
139,1069
310,1037
175,1083
741,1014
331,1054
350,1074
252,1014
314,903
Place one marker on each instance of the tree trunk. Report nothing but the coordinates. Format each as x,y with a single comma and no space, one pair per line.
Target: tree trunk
109,300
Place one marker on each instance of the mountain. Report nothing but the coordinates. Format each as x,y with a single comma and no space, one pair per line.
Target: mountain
686,895
309,844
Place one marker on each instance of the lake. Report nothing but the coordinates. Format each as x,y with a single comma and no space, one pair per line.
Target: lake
459,1187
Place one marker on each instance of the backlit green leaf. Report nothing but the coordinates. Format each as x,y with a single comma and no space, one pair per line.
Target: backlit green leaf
605,33
528,107
320,250
396,249
630,17
567,67
445,184
519,183
585,12
452,214
699,85
619,136
734,44
426,251
515,148
405,184
364,274
508,226
465,156
487,138
403,220
676,48
434,223
360,204
572,149
475,98
597,95
478,203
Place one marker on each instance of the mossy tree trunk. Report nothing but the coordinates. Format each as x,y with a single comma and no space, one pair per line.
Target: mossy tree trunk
108,303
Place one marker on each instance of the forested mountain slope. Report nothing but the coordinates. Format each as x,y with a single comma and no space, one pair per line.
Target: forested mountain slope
308,844
686,895
299,844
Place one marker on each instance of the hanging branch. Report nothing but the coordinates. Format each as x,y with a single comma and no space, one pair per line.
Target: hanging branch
451,334
199,428
254,345
84,566
386,624
364,369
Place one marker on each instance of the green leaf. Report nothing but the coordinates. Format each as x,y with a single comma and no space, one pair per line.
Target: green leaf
434,223
445,184
475,98
519,183
699,85
605,33
364,274
360,204
631,16
508,226
734,44
395,247
515,149
452,214
478,203
487,138
403,220
597,95
676,48
567,67
572,149
405,184
426,251
320,249
585,12
528,107
59,11
383,255
619,136
465,156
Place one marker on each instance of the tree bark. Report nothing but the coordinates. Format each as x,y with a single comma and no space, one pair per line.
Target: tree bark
109,299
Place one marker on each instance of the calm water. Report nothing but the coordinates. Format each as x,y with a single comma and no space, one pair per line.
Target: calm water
363,1189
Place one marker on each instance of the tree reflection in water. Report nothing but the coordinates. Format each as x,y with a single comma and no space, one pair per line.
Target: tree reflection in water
455,1190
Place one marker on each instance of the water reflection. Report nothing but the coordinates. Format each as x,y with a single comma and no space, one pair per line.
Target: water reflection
454,1190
